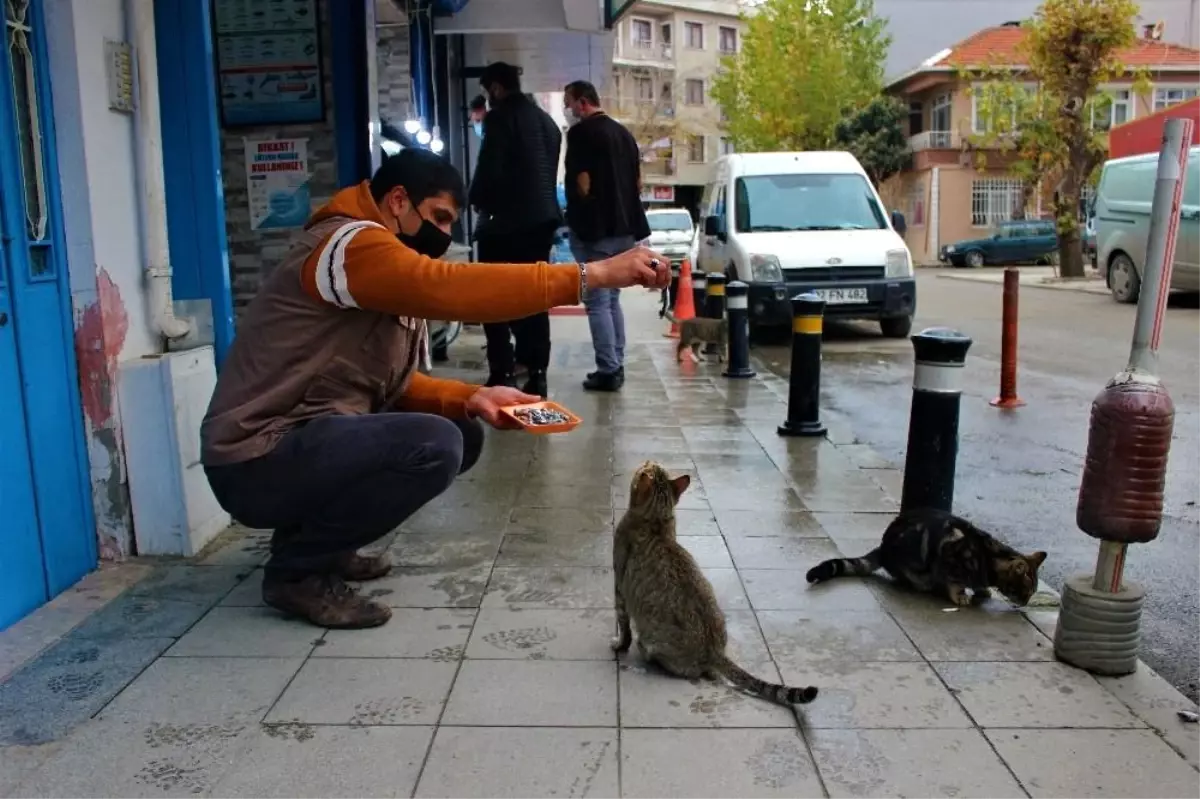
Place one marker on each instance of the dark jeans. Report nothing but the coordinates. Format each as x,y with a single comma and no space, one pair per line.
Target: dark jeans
341,482
532,333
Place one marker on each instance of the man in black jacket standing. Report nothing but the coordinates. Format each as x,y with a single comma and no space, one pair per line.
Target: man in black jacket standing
514,189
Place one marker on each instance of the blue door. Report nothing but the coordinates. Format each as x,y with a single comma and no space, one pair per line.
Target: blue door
47,540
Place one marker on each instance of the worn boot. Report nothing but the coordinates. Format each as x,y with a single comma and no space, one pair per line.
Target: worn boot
536,384
603,381
325,600
359,568
501,379
620,375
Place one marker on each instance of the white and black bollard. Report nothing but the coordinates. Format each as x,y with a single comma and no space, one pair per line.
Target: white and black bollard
804,379
932,453
699,292
714,303
737,308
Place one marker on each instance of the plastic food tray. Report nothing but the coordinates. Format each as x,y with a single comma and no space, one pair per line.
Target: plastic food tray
572,422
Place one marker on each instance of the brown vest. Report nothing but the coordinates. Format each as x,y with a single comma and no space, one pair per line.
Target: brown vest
296,358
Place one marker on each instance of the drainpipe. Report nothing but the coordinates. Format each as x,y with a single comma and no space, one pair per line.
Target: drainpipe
139,15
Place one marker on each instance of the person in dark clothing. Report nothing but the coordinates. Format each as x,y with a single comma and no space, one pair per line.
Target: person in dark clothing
605,216
515,191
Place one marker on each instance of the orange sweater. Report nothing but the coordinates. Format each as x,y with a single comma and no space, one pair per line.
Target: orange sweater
367,267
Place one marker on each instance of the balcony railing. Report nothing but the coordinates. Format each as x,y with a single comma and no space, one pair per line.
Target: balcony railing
935,140
659,167
627,108
640,50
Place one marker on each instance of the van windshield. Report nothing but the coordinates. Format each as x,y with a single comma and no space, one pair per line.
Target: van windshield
767,203
664,222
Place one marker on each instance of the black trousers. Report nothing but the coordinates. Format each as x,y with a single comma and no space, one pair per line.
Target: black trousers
532,333
341,482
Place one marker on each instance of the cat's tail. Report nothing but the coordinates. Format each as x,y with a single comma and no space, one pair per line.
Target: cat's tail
772,692
841,567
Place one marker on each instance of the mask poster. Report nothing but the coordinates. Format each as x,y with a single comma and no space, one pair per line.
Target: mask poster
277,183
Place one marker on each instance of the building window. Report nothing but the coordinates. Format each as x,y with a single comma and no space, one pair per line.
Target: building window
1116,109
695,91
728,40
916,204
981,124
694,35
27,116
995,200
726,145
939,119
643,90
1165,98
665,35
641,33
916,118
695,149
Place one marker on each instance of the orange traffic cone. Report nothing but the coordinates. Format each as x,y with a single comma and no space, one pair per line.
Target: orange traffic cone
685,308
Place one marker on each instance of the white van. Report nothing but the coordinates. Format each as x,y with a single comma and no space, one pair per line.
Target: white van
1123,200
789,223
670,233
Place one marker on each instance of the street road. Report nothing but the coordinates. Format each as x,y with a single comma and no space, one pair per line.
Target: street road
1018,471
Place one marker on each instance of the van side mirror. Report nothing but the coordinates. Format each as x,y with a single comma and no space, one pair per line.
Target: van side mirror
714,226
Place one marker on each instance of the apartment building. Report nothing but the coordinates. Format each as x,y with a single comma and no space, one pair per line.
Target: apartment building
956,187
665,55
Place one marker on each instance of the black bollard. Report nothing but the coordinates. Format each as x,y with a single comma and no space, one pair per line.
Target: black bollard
673,288
804,382
940,354
714,303
699,291
737,305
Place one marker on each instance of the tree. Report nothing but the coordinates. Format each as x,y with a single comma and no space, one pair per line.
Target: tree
875,134
802,66
1073,47
651,116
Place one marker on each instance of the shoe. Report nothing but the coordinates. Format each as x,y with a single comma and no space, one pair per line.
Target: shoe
620,374
360,568
501,379
601,381
326,601
536,384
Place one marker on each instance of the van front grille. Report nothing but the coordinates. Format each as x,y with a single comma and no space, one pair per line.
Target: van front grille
832,274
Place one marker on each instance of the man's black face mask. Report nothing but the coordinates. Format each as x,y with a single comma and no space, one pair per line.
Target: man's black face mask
428,240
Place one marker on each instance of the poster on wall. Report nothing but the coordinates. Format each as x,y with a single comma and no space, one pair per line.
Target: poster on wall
268,62
277,178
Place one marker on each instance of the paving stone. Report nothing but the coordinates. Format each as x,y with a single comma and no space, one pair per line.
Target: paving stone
300,760
133,616
18,762
708,551
67,683
426,587
558,693
436,633
652,698
717,763
727,585
422,553
1156,702
550,587
844,492
520,762
780,589
201,585
475,493
247,593
777,552
541,634
555,521
1099,763
1034,695
205,691
865,695
995,631
248,632
806,640
767,499
768,522
366,692
910,763
855,533
692,522
556,549
242,547
436,519
563,495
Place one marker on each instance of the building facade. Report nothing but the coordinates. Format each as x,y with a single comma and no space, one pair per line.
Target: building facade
957,186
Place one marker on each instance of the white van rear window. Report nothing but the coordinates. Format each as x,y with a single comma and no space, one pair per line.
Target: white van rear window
765,203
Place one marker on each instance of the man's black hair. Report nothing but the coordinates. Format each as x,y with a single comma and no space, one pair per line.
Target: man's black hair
479,103
422,174
504,75
583,90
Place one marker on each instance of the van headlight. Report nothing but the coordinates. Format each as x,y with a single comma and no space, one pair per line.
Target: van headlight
898,263
765,269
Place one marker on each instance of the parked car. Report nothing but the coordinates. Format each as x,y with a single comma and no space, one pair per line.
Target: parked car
1015,242
671,233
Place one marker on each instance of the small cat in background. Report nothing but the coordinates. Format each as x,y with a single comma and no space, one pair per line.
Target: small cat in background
935,551
662,590
697,331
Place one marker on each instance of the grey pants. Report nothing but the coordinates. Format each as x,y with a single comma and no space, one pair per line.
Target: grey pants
341,482
605,318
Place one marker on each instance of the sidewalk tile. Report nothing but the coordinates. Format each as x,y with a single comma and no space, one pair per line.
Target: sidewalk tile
435,633
727,585
1034,695
550,587
244,548
131,616
652,698
366,692
709,551
555,521
855,534
203,585
992,632
1098,763
247,632
868,695
696,523
435,519
541,634
247,593
768,522
780,498
494,762
865,496
423,587
717,763
955,763
445,551
782,589
555,549
557,693
806,640
780,552
564,495
299,760
1155,701
18,762
474,493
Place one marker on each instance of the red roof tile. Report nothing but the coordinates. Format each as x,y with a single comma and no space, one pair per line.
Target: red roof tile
1000,46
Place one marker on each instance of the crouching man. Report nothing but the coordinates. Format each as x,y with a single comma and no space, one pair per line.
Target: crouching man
321,426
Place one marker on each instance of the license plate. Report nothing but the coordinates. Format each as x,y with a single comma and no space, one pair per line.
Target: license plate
842,296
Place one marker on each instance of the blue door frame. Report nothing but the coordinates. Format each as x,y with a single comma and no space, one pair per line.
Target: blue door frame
60,547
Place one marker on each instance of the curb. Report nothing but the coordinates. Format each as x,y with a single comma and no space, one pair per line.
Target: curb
1086,286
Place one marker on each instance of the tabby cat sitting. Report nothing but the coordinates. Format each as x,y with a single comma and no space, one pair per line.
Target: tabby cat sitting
662,590
699,330
938,552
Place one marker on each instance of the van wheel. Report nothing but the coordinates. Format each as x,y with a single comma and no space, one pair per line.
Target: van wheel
1123,280
896,326
974,259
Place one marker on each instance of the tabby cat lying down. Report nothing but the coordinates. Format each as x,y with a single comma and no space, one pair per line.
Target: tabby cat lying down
662,590
938,552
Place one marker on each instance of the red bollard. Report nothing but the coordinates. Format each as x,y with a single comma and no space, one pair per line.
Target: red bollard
1008,343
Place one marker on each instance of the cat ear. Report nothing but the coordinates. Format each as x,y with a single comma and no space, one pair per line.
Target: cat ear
1036,559
680,484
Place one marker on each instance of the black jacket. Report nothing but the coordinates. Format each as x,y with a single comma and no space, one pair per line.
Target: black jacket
516,178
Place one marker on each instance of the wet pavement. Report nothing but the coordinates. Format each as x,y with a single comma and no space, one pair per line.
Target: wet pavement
1019,471
495,678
